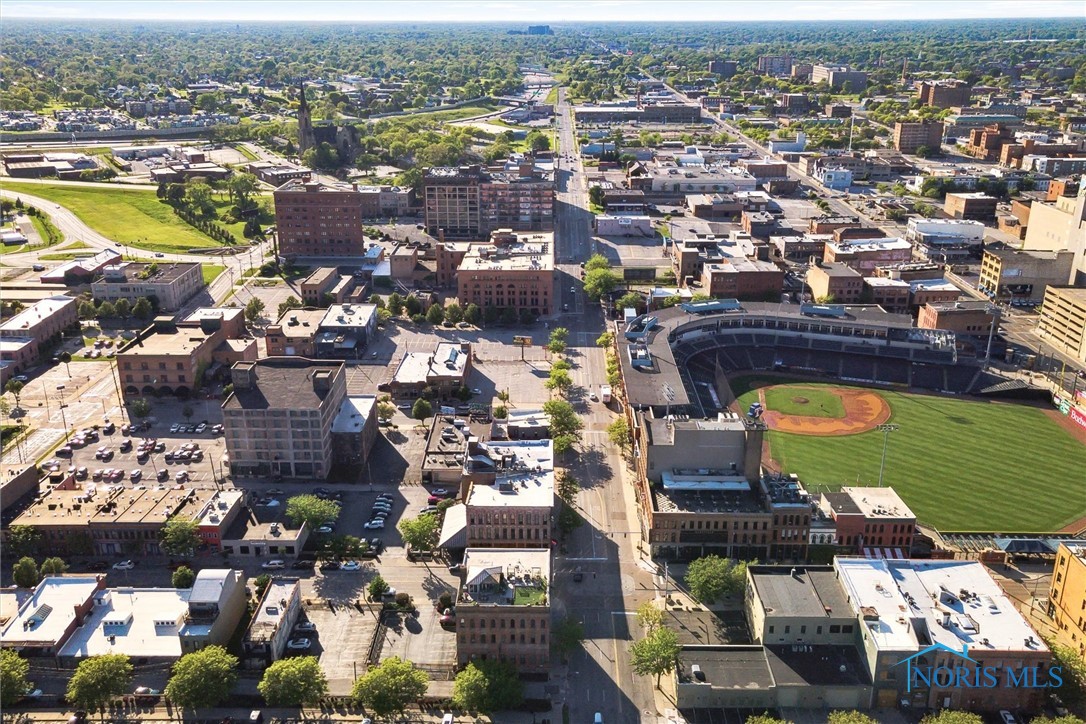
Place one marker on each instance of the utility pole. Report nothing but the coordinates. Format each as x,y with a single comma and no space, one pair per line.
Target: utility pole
994,310
886,429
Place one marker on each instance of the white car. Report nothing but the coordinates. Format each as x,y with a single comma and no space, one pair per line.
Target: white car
374,525
350,566
274,565
124,566
299,644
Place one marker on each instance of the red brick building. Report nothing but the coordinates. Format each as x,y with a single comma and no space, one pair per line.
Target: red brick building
870,518
315,219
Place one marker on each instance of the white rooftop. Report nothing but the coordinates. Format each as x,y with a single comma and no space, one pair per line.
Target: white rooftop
868,583
45,616
854,246
349,316
885,282
353,413
448,360
932,285
215,510
875,502
528,481
141,621
269,617
37,312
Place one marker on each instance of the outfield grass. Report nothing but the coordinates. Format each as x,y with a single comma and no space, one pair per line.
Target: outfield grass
820,403
959,464
133,217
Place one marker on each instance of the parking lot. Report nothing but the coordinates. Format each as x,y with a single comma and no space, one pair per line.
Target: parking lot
342,642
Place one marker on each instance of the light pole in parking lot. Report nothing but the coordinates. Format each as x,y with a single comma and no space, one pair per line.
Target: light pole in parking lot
63,417
886,429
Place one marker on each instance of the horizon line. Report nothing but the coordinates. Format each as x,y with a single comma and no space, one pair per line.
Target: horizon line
553,23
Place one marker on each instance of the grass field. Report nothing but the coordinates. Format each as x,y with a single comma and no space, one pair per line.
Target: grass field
133,217
212,272
959,464
819,403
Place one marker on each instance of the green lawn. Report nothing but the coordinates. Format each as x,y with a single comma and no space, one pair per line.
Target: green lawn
818,403
959,464
212,272
135,218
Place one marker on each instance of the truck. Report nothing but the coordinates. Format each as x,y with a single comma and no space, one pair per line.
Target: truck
605,393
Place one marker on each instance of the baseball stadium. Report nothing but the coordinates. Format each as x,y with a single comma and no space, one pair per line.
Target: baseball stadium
853,395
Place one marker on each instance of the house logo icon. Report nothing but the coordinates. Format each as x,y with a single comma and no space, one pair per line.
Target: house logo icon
911,661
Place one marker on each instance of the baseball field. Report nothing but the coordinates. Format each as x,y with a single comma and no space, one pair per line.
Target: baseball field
960,464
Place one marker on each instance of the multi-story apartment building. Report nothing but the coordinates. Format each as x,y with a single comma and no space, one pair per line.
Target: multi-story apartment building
870,519
508,491
515,271
836,281
171,357
469,202
317,219
742,278
865,254
23,337
503,608
702,491
909,136
170,284
1067,596
278,419
775,65
944,93
837,76
1010,274
1063,320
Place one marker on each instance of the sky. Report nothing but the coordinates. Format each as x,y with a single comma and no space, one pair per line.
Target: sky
535,11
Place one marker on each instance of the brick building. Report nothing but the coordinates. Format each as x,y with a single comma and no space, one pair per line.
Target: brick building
909,136
945,93
836,281
975,205
742,278
27,334
317,219
170,284
469,202
870,518
968,317
516,271
508,491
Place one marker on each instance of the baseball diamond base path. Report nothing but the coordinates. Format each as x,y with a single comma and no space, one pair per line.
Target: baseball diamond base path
864,410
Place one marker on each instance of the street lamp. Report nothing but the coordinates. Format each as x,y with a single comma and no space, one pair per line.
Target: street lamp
63,417
994,311
886,429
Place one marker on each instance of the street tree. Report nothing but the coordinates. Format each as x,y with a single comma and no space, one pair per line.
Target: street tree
311,510
203,678
596,261
472,314
595,195
711,578
15,387
377,587
435,315
395,304
567,487
1073,670
179,537
618,432
655,654
849,717
183,577
87,310
52,567
559,379
422,409
389,687
98,680
297,681
420,532
487,686
599,282
253,309
66,358
25,572
454,314
766,719
122,307
13,672
412,305
567,635
607,339
143,309
565,425
385,410
649,616
23,540
631,300
952,716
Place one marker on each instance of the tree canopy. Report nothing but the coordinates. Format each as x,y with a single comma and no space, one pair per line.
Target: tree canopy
13,672
420,533
311,510
487,686
656,654
711,578
202,678
297,681
98,679
179,537
389,687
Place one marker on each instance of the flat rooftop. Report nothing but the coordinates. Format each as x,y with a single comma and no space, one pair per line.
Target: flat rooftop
506,576
449,359
132,271
353,413
349,316
301,186
878,502
721,502
816,666
36,313
213,512
859,246
727,667
812,591
301,323
142,622
226,314
183,342
43,618
104,504
269,617
283,383
932,285
525,475
531,252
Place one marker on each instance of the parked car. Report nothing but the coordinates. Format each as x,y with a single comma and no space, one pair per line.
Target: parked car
163,475
124,566
303,565
273,565
330,566
447,621
299,644
375,524
350,566
305,626
200,428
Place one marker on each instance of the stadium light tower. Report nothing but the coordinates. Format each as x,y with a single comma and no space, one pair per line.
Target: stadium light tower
886,429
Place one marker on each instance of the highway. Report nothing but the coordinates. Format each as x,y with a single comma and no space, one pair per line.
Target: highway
598,677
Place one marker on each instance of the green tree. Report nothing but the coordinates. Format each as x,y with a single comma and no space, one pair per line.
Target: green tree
471,314
649,616
1068,719
655,654
98,680
87,310
199,198
422,409
711,578
419,533
13,672
143,309
15,387
242,187
599,282
454,314
22,540
538,141
631,300
123,307
203,678
567,488
311,510
297,681
179,537
389,687
395,304
25,572
596,261
567,635
141,408
559,379
261,584
385,409
253,309
487,686
291,302
106,310
595,195
564,422
618,432
849,717
435,315
766,719
412,305
377,588
952,716
52,567
66,358
1073,671
183,577
208,102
